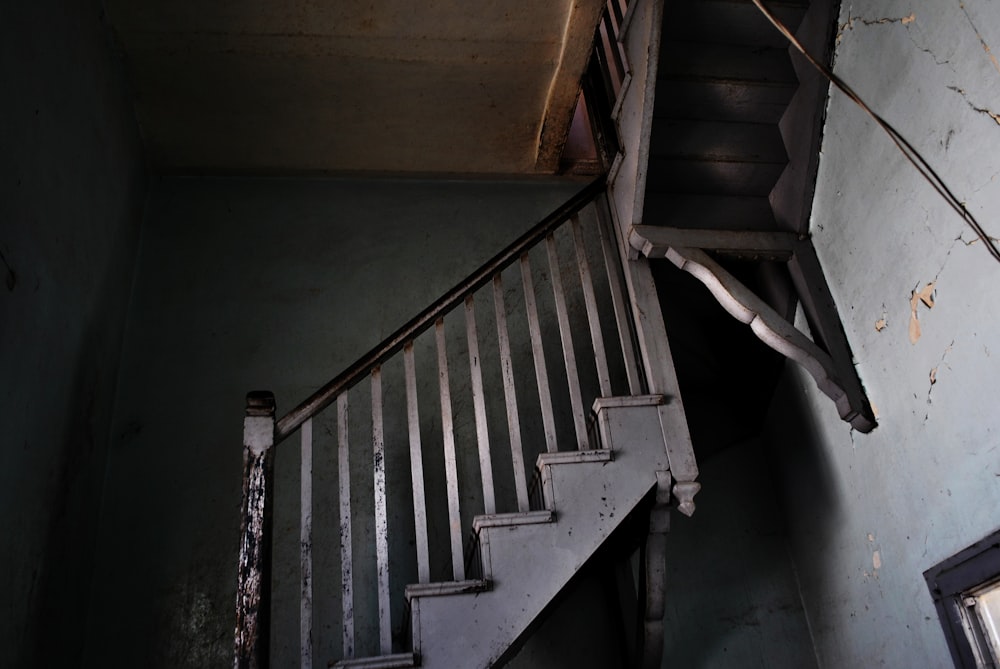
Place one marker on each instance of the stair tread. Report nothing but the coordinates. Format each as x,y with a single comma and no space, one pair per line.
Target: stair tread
574,457
396,661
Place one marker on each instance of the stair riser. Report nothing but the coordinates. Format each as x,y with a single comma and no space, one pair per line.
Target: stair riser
705,177
726,61
719,100
701,140
717,212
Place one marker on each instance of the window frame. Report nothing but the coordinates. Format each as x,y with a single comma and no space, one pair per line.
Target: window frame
950,582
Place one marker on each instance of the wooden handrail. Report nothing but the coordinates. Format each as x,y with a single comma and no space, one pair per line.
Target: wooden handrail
394,342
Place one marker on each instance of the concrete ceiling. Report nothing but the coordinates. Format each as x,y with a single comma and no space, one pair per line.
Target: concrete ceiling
391,86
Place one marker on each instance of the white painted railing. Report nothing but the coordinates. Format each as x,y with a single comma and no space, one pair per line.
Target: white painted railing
558,335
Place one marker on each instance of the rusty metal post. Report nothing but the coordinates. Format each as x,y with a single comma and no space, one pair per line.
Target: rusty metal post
253,589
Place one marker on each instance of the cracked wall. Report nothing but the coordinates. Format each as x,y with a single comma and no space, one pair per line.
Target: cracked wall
917,293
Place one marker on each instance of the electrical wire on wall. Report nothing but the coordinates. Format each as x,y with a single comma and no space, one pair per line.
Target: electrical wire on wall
907,149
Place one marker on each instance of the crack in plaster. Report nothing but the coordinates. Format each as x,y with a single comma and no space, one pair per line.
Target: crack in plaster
982,110
986,47
932,375
977,239
852,20
930,53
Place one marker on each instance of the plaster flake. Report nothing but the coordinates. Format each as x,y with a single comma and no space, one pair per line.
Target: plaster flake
925,296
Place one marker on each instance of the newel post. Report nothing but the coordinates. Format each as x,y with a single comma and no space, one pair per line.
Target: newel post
253,589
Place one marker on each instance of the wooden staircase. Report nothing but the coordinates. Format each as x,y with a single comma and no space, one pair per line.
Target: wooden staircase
698,189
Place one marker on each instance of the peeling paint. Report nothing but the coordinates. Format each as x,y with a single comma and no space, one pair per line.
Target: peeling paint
926,296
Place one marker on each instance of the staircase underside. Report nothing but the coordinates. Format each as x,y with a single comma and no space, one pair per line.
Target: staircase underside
732,136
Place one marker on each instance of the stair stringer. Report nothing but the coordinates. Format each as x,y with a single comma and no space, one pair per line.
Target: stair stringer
528,565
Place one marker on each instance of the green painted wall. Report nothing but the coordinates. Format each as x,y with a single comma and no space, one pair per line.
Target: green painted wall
869,513
71,191
262,283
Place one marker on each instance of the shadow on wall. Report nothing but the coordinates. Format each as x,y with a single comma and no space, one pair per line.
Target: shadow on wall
77,421
806,485
732,597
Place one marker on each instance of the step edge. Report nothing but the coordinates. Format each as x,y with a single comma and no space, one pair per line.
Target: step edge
445,588
629,401
395,661
513,519
574,457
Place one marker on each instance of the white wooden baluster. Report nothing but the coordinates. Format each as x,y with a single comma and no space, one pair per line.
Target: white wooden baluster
569,356
346,564
479,404
305,542
538,356
590,300
450,459
381,516
611,266
416,466
510,395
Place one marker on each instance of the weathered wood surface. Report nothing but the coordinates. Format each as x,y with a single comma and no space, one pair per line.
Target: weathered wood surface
569,355
590,300
510,395
479,404
305,546
538,357
619,300
346,549
416,466
253,590
450,455
381,514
